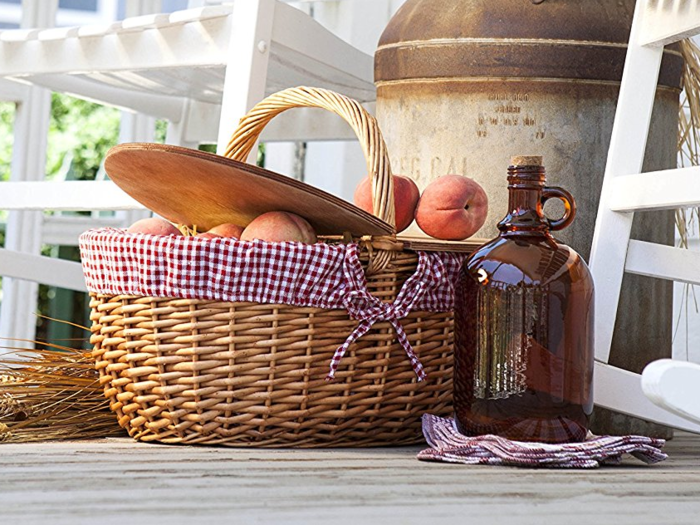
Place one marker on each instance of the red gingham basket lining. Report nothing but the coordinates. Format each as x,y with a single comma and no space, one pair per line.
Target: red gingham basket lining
319,275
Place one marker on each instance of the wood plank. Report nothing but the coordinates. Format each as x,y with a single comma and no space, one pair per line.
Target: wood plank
656,190
93,87
149,21
200,13
57,33
665,262
65,196
40,269
248,58
121,481
186,45
625,157
185,41
668,21
620,390
674,386
429,244
325,47
64,230
307,124
18,35
11,91
23,230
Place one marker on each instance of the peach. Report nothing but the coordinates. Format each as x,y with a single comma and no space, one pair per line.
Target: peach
208,235
406,195
154,226
227,230
279,226
452,208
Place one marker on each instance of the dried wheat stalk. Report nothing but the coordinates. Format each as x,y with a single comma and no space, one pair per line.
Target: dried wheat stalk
54,394
687,220
689,130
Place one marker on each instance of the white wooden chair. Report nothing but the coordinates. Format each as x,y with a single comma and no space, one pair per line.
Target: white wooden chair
201,69
673,387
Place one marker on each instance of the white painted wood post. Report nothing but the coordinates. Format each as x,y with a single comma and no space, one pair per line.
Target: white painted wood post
338,166
246,70
281,156
142,7
177,133
135,127
625,157
19,297
667,384
674,386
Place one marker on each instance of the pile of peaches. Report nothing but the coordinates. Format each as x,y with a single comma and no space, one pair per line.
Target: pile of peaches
451,207
273,226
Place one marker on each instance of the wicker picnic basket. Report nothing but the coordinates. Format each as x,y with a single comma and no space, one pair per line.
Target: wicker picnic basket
194,371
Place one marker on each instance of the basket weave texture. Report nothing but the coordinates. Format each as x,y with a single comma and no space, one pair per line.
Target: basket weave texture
184,370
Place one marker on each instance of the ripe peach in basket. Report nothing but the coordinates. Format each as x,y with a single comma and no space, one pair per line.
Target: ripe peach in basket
406,195
452,208
207,235
153,226
223,230
279,226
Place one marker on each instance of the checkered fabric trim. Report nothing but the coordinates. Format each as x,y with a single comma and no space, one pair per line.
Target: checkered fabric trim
448,445
319,275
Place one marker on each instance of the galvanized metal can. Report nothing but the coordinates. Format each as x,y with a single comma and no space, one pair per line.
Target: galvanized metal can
465,84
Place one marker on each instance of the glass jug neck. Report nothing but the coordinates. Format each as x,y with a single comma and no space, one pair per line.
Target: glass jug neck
525,215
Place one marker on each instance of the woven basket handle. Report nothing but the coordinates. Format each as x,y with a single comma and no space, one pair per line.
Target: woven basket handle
363,124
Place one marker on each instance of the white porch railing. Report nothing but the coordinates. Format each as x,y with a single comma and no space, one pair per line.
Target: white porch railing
199,69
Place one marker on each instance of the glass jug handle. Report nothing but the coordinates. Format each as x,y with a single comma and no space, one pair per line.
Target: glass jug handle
569,204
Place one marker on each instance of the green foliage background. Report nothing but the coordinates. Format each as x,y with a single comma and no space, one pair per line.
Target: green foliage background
80,133
7,116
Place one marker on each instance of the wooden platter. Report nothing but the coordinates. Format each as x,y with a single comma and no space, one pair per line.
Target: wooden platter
193,187
428,244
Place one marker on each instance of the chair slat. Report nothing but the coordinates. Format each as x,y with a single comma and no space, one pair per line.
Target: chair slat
64,230
65,196
656,190
621,391
665,262
674,386
45,270
625,157
668,21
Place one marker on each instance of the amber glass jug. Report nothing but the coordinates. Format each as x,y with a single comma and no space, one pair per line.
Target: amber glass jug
524,324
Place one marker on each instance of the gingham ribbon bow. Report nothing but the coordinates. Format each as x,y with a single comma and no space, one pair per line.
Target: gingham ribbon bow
366,308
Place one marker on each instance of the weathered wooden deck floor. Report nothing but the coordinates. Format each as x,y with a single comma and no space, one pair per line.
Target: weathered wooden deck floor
117,481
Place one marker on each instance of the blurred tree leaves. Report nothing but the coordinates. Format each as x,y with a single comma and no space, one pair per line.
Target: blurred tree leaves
80,133
7,117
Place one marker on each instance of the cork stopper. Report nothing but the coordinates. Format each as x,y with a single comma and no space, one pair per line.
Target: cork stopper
526,160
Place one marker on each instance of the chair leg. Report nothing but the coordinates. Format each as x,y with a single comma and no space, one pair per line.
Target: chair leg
674,386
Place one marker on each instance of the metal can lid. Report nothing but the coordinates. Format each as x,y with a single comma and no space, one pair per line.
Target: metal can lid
433,43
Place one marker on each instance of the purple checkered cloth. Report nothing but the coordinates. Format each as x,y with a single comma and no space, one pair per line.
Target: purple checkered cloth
448,445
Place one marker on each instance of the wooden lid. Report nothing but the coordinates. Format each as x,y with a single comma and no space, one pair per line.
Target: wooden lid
193,187
428,244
